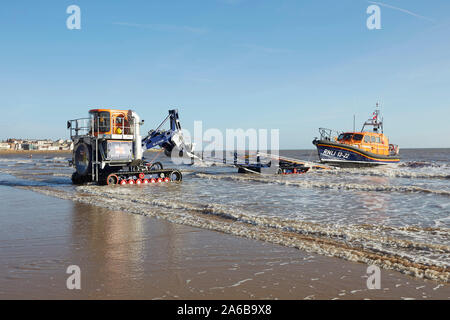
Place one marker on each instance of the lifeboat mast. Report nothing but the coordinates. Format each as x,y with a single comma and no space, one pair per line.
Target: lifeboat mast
376,122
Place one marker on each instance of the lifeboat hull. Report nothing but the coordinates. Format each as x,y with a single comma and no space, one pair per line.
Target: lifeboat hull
345,155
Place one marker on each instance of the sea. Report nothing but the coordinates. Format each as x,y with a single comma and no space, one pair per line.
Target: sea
395,216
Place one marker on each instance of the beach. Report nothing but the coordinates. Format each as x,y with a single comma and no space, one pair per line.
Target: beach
225,150
127,256
204,238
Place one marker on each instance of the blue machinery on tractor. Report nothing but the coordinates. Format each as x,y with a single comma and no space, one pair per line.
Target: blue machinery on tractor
167,139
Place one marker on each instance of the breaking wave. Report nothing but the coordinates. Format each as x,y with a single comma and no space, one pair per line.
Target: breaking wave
421,164
361,243
323,185
437,172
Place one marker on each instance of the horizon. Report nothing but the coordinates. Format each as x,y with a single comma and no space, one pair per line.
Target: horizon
232,64
249,150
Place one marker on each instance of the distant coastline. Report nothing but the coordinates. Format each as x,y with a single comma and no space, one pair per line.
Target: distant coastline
49,151
33,151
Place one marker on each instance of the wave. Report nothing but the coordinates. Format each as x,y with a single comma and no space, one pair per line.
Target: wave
391,172
57,158
21,183
270,179
40,178
361,243
15,160
421,164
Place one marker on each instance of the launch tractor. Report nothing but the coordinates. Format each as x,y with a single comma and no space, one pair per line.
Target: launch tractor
108,148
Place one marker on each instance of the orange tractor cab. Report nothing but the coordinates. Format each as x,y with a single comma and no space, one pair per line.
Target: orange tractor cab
111,122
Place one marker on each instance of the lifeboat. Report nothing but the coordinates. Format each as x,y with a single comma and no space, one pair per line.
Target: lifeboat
368,147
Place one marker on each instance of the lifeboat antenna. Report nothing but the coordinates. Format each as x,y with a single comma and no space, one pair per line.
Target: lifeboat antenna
376,122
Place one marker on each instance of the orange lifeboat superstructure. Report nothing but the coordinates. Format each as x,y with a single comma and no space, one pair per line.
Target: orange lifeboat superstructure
358,148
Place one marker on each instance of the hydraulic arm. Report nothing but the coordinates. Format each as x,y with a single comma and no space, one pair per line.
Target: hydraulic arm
168,139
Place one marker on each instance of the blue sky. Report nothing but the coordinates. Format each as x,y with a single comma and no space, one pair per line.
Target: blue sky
292,65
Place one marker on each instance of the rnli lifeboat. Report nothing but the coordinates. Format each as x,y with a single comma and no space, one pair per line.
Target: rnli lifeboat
368,147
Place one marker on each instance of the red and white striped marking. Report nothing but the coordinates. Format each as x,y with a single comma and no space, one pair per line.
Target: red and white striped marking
143,181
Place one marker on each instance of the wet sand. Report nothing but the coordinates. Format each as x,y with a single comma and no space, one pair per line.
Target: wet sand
127,256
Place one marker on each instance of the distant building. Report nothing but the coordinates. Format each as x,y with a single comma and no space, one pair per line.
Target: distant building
29,146
4,146
34,144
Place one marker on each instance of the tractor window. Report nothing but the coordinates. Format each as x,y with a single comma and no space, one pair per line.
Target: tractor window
119,126
101,121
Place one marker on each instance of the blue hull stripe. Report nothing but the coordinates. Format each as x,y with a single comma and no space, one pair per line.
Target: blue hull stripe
329,153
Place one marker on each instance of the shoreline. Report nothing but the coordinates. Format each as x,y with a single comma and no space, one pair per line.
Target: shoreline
33,151
129,256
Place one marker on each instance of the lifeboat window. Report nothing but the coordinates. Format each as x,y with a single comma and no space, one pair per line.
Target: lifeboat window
374,139
357,137
345,136
378,140
367,139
